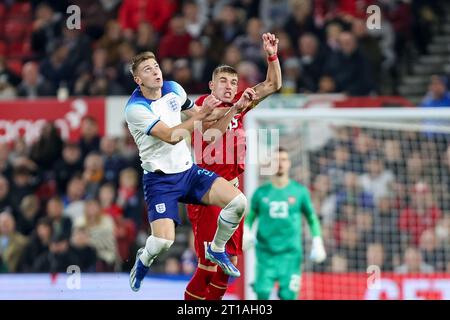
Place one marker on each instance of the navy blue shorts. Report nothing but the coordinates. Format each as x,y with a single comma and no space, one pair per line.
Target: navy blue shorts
162,191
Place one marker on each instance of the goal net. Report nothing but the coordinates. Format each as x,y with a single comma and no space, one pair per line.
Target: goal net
379,180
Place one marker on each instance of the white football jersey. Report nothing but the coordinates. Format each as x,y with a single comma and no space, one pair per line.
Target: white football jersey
143,114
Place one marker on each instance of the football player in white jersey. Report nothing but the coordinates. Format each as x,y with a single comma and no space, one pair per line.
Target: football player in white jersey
153,115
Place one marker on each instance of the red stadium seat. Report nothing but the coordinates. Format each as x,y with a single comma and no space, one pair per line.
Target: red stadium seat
2,11
2,48
15,65
20,10
15,29
19,49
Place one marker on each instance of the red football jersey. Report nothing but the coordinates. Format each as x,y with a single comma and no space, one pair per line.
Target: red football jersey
226,156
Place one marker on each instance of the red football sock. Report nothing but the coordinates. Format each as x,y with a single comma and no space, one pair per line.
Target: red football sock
217,286
196,288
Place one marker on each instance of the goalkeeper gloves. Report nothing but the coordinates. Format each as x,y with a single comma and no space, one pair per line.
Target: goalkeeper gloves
318,253
248,239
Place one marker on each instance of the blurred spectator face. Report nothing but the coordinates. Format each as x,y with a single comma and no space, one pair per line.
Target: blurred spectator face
349,236
99,57
224,86
93,210
113,31
89,128
327,84
44,12
4,151
414,164
422,198
359,28
428,240
392,150
71,153
413,259
4,187
99,87
333,31
172,266
284,163
106,195
126,52
347,43
308,45
93,162
59,55
301,9
80,238
108,145
128,178
20,147
228,15
44,232
232,56
181,71
145,33
248,72
375,254
375,167
341,155
177,25
29,206
339,264
55,208
291,69
7,224
254,29
364,143
190,11
364,221
351,181
76,189
196,49
30,73
437,87
21,176
284,44
384,205
322,184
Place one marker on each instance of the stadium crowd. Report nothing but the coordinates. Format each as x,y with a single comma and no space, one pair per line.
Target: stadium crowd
64,203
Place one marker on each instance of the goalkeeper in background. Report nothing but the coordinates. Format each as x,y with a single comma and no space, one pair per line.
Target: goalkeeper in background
279,205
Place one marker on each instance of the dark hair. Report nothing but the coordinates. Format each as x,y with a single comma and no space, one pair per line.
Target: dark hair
282,149
225,69
139,58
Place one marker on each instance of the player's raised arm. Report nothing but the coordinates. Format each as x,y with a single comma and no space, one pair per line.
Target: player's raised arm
168,134
273,78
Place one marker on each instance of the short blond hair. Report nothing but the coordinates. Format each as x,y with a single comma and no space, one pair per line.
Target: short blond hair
139,58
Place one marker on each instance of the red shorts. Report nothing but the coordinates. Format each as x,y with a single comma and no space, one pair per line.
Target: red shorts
204,225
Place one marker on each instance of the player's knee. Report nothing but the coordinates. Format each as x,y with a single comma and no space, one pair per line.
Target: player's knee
238,205
287,295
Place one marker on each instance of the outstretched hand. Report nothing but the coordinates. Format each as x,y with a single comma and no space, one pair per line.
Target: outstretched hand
270,43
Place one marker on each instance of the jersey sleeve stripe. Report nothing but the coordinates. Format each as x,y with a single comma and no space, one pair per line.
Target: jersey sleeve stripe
150,127
187,105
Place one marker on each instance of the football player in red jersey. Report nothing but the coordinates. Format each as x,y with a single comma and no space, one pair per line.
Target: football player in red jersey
225,155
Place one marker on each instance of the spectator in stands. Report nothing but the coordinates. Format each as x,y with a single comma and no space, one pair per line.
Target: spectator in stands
232,56
339,263
93,173
23,183
285,48
378,181
90,137
37,246
6,168
158,13
86,255
292,77
59,257
274,13
6,75
19,150
113,161
28,214
12,243
100,228
248,75
175,43
421,214
195,18
129,198
413,262
352,191
350,68
324,200
146,38
339,166
56,68
432,253
332,30
311,60
438,94
69,165
5,201
125,229
46,29
327,84
74,197
61,225
47,149
300,20
111,40
33,84
201,68
249,44
394,157
126,53
7,91
182,74
352,248
375,256
230,24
